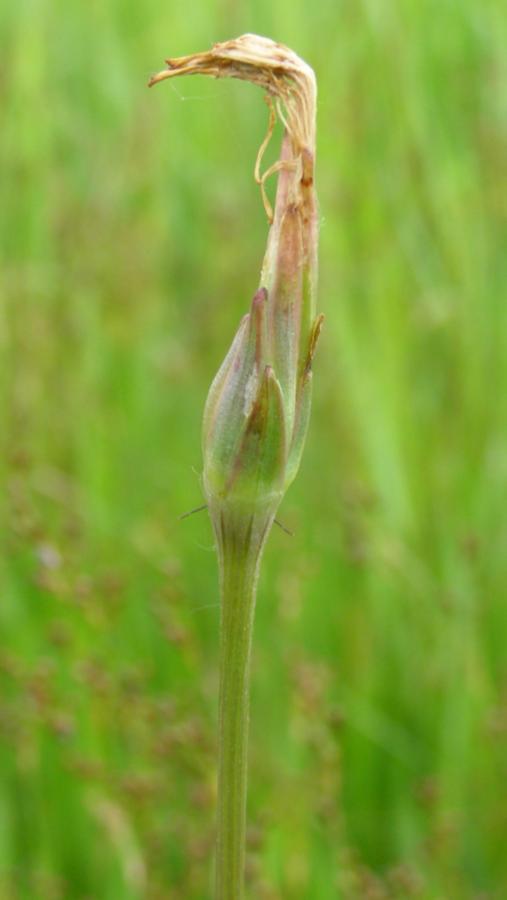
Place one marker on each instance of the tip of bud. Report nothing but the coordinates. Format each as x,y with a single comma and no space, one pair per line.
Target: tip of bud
259,299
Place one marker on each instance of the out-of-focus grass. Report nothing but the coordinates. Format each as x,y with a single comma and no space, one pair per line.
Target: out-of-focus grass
131,235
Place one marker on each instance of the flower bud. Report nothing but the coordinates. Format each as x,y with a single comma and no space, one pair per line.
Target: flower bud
258,407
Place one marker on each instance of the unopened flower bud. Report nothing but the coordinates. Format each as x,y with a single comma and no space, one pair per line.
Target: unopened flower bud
258,406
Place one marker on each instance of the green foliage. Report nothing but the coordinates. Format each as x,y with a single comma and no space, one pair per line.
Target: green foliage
130,238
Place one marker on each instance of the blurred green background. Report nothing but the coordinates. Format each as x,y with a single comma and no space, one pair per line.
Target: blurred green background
131,238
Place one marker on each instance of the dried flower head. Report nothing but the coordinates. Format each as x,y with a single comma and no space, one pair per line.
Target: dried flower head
258,406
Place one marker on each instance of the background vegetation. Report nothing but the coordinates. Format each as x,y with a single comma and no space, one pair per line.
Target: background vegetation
131,236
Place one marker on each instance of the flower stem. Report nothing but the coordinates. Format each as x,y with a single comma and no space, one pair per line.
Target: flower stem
240,540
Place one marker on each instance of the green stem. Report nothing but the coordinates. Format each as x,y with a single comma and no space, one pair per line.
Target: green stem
240,540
